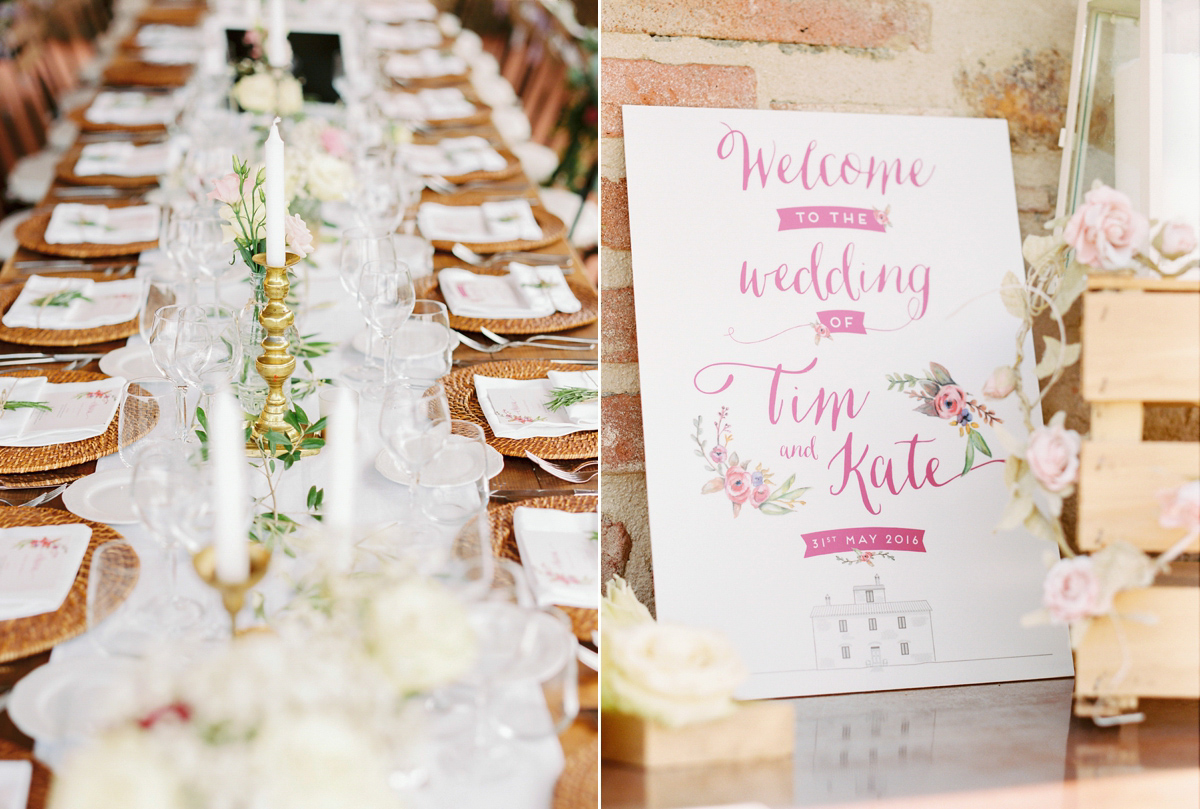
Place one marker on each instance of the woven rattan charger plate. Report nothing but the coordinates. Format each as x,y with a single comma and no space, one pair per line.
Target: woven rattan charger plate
60,337
41,775
482,115
552,227
512,169
464,404
31,235
18,460
22,637
66,173
578,786
504,545
79,117
429,289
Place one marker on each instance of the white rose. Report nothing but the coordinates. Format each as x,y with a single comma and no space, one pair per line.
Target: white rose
290,97
673,675
420,634
329,178
255,93
125,768
620,607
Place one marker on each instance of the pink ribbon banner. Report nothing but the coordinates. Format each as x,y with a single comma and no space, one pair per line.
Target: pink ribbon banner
873,539
832,216
843,321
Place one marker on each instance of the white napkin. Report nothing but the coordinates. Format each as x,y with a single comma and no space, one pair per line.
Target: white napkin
558,552
408,37
123,159
432,104
399,10
490,222
452,156
75,223
18,389
168,36
516,408
170,55
78,410
515,296
132,109
104,303
584,412
38,564
424,64
15,780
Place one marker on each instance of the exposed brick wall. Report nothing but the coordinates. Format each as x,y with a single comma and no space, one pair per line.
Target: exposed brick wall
908,57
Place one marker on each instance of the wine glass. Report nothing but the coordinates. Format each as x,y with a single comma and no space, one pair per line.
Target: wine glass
452,483
378,195
165,492
414,422
425,343
178,332
146,416
204,247
216,356
172,239
360,246
111,625
160,292
538,694
386,298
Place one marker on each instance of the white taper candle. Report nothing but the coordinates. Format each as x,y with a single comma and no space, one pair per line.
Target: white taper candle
227,458
276,204
279,52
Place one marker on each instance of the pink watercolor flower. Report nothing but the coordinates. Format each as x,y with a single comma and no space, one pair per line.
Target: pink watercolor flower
737,484
1071,591
225,189
1001,383
1176,240
1053,457
334,141
296,234
1105,231
866,556
718,454
760,495
1180,507
949,401
822,331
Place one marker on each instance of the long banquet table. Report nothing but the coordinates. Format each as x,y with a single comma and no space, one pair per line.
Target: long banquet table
334,317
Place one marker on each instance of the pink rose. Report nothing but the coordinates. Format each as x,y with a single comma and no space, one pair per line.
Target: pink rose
1002,382
334,141
1105,231
1180,507
718,454
737,484
296,235
760,495
949,401
1053,456
1071,590
225,189
1176,240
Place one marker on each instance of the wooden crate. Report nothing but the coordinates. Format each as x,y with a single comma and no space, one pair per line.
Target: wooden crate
757,730
1141,344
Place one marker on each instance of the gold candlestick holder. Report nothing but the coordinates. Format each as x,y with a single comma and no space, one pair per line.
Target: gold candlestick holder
276,364
232,595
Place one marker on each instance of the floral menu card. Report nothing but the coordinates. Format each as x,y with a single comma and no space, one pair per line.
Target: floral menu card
38,564
817,311
517,408
558,549
70,412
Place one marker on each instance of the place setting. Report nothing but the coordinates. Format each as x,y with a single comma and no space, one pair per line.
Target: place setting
115,164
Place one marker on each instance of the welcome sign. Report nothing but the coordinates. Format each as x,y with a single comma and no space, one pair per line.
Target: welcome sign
817,311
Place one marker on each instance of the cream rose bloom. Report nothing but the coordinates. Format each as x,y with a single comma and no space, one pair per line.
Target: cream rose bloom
420,634
621,608
289,99
125,768
673,675
328,178
255,93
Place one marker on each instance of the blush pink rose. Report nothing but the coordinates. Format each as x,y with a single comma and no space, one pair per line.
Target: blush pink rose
1001,383
334,141
1071,590
296,234
225,189
737,484
1105,231
1053,457
760,495
1176,239
1180,507
949,401
718,454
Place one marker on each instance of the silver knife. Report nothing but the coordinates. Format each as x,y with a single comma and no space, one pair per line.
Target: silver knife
509,495
48,358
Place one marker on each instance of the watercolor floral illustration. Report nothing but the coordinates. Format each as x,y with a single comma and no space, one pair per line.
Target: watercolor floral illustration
821,331
53,546
883,217
516,417
561,577
866,557
741,482
941,397
99,395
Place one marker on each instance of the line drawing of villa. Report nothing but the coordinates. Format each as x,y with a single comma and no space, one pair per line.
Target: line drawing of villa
872,632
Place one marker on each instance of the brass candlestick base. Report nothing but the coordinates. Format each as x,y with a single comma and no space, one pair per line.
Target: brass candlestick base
232,595
276,365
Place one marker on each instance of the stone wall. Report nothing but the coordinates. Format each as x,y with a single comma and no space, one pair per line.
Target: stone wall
992,58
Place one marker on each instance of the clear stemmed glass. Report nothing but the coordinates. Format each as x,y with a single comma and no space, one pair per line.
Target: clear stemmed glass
414,422
164,493
360,246
178,332
216,356
452,484
205,248
425,343
378,195
160,292
538,696
172,237
386,298
146,417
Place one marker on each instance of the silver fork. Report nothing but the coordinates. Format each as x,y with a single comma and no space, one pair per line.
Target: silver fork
440,185
464,253
492,349
572,475
590,342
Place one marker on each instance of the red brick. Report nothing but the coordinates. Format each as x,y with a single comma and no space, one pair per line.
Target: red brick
858,24
618,327
1031,93
643,82
614,213
615,547
622,446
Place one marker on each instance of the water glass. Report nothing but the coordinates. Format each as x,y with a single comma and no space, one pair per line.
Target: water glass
425,344
414,422
452,484
538,693
386,298
146,416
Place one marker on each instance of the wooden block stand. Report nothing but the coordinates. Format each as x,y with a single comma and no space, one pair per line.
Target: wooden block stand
1141,344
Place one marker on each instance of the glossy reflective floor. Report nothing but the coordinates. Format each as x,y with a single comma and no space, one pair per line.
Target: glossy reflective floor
905,744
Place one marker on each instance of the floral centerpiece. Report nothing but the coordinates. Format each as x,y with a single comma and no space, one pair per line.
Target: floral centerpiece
318,168
261,88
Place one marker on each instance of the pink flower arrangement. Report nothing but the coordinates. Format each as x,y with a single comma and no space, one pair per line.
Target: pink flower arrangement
226,189
1071,591
737,484
741,481
1053,457
1105,231
333,140
297,235
949,401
